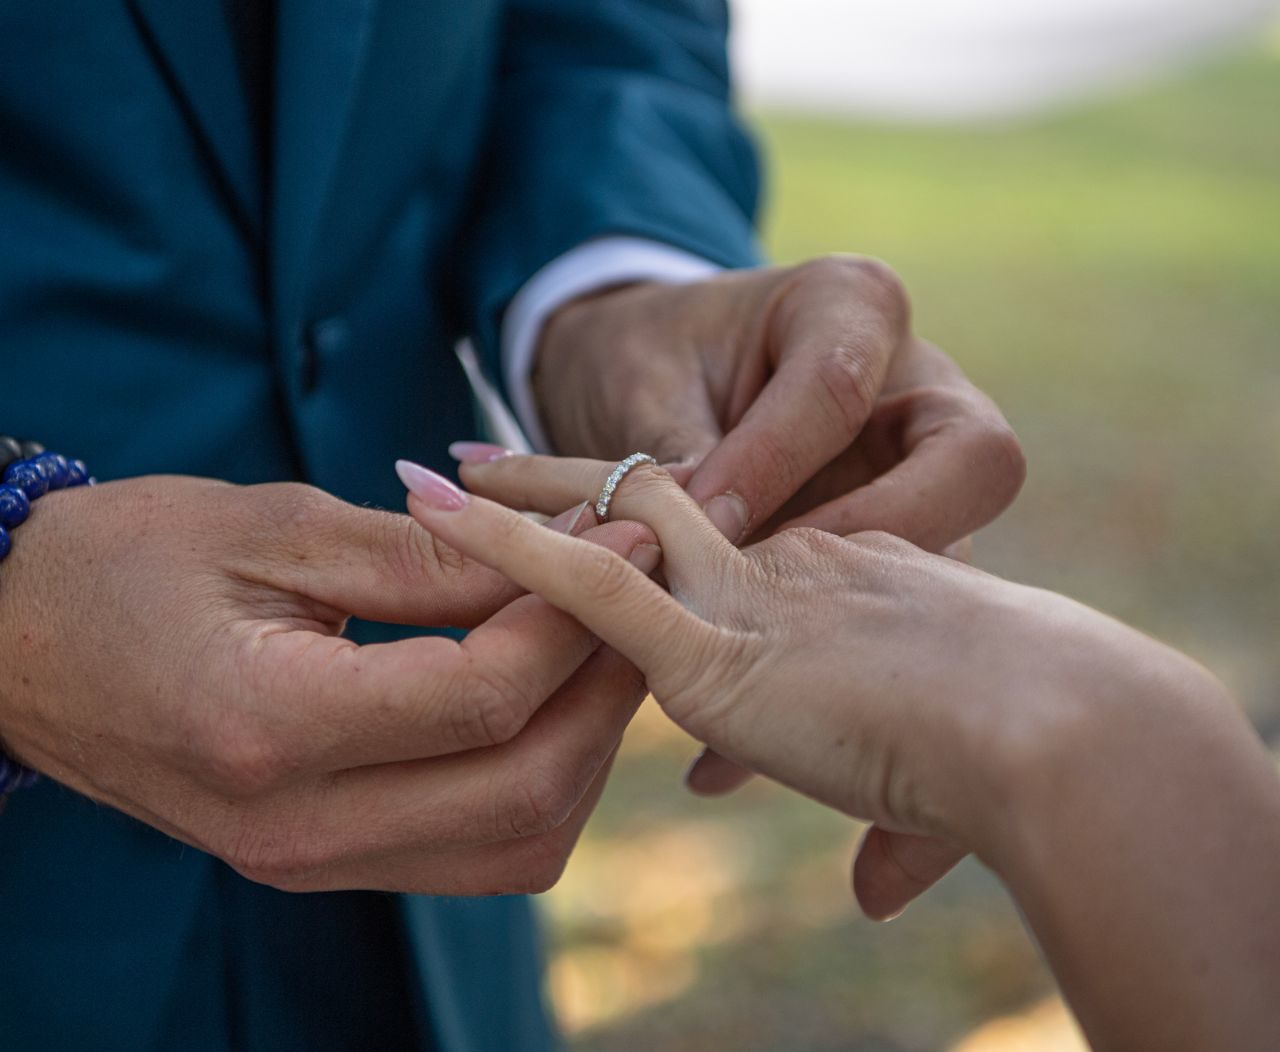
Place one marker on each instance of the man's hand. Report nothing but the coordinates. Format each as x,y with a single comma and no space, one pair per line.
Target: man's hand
800,396
800,393
172,647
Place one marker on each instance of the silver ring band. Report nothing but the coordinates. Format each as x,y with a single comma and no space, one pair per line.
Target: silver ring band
614,480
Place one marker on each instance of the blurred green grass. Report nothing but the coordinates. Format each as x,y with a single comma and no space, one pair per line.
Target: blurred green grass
1112,278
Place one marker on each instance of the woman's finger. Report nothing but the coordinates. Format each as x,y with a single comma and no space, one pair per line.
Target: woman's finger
605,592
891,869
646,494
532,483
712,775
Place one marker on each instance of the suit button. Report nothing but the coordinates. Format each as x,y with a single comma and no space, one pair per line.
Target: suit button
320,340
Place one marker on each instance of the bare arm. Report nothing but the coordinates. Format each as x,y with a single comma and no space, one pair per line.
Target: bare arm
1144,853
1108,780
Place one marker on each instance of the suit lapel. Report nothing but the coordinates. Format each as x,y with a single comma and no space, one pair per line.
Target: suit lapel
198,55
320,50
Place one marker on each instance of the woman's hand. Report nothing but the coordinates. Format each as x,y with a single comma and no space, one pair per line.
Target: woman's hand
897,686
798,395
1124,800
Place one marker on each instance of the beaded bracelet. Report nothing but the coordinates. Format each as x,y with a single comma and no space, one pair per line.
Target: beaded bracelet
27,472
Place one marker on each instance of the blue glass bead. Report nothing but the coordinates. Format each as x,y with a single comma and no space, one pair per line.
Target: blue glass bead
42,466
28,478
5,543
14,507
77,473
55,468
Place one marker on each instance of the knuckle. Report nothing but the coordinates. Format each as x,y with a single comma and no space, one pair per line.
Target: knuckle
811,541
412,551
267,852
505,529
299,507
542,868
241,759
535,802
881,546
494,709
846,374
879,541
651,475
646,481
1001,448
872,280
605,576
291,522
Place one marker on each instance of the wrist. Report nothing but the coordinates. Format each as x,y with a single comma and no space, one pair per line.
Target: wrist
1111,710
27,474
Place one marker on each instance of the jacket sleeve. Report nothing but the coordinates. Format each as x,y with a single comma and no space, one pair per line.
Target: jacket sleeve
609,117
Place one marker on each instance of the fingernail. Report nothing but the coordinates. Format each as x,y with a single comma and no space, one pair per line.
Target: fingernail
477,452
694,779
891,917
729,513
435,491
645,557
573,521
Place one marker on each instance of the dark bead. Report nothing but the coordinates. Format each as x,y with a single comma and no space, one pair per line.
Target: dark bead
5,543
77,473
28,478
14,507
31,449
55,468
10,450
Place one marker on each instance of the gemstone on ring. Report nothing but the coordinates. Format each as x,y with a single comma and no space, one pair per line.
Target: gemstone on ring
614,480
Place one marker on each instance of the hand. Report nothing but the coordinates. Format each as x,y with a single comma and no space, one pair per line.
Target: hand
1112,784
801,397
800,393
897,686
172,648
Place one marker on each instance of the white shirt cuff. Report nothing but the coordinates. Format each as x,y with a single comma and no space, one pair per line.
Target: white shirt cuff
582,270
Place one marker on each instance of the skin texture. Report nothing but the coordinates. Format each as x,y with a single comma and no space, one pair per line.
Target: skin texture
1122,797
209,692
798,396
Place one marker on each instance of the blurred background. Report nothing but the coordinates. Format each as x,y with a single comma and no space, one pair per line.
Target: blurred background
1084,198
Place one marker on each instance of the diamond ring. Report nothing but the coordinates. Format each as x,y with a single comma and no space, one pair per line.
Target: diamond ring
615,478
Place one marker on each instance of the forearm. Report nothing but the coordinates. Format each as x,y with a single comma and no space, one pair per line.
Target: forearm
1146,859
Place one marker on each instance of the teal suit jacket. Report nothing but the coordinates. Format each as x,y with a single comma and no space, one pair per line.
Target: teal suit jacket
171,300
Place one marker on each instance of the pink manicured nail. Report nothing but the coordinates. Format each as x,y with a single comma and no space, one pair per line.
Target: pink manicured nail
477,452
435,491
